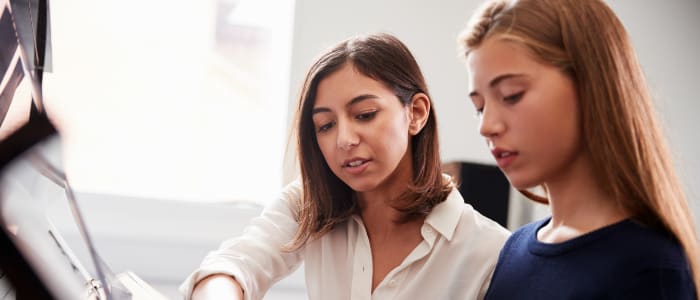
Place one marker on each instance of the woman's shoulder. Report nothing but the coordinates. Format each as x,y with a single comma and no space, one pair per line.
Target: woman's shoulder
524,234
531,227
655,261
467,216
463,226
628,245
649,246
288,201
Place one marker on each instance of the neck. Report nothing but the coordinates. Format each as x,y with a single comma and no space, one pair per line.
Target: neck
377,202
376,210
380,221
578,203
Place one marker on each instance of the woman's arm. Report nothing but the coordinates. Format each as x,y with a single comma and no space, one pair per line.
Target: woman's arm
255,259
217,286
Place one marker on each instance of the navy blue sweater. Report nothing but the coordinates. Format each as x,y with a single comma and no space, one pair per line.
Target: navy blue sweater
622,261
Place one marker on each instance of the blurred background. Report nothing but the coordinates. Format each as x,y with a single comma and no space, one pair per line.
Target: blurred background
175,114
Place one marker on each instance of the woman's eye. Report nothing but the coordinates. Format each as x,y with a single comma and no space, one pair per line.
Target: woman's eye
478,104
366,116
325,127
513,97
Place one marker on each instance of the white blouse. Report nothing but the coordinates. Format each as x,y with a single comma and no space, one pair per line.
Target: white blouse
455,260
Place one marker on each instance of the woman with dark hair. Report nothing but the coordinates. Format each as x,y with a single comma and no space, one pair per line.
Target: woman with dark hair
372,217
563,104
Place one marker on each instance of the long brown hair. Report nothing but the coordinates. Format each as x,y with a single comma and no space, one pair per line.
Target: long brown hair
628,152
326,200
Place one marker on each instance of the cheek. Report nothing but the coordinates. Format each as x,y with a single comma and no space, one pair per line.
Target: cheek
570,134
565,113
568,120
393,138
557,134
326,145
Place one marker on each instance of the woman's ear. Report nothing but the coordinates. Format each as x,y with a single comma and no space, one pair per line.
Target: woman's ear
419,112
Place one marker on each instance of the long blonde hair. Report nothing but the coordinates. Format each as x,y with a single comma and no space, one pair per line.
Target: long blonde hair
628,152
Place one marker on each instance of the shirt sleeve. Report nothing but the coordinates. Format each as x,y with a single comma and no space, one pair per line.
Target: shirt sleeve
255,258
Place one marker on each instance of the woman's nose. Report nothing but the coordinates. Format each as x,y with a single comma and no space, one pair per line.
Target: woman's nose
347,136
491,122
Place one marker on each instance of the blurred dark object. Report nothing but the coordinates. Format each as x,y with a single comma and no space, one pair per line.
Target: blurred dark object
25,281
484,187
24,34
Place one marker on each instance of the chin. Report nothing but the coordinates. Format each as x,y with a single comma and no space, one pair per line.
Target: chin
522,182
361,184
361,187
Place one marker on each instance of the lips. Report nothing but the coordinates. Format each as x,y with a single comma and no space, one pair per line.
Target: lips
355,165
355,162
504,157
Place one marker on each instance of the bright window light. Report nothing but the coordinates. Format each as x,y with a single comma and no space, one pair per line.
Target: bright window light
183,100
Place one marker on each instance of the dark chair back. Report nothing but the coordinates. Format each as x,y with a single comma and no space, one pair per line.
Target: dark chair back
484,187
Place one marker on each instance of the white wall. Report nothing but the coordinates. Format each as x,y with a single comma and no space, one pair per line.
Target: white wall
665,34
668,45
152,102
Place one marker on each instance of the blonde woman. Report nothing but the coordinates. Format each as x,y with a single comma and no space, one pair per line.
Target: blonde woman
563,104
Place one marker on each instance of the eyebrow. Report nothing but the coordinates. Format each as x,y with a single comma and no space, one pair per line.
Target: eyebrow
352,102
496,81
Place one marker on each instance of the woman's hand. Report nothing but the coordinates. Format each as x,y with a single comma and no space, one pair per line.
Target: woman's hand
217,286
